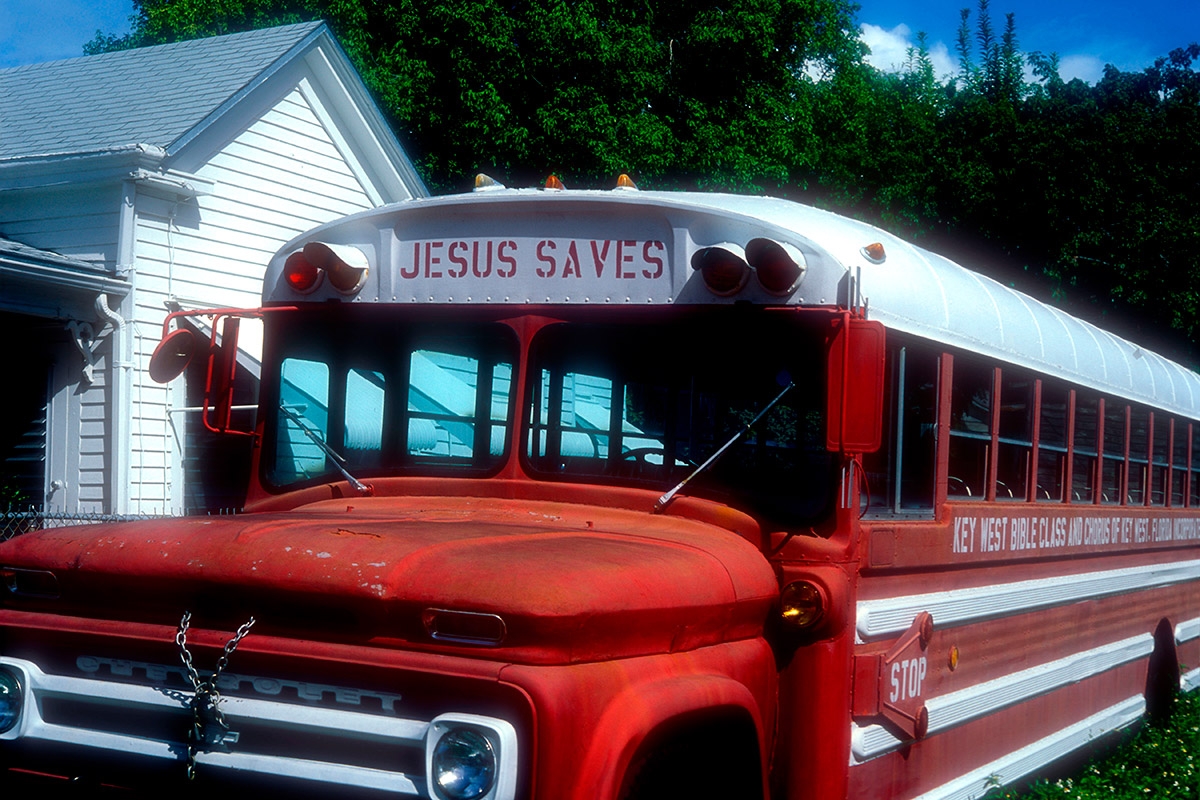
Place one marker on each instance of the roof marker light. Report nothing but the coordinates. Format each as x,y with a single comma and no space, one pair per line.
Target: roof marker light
485,183
779,266
346,266
626,182
874,253
723,268
302,275
554,183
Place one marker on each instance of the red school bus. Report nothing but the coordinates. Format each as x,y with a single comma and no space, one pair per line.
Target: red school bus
617,494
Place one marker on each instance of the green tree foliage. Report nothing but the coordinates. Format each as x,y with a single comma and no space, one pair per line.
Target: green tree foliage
1092,187
1084,195
1089,195
695,93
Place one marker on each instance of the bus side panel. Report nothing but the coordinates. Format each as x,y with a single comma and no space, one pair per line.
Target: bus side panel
976,753
1036,651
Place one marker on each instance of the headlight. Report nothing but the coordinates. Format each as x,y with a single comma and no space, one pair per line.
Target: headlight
11,698
471,757
464,765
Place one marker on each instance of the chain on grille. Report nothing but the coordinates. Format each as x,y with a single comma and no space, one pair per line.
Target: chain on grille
208,723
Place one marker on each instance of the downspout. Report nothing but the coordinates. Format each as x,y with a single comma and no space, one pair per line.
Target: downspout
121,369
119,397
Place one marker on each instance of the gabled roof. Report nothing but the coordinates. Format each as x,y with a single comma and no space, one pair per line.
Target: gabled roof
150,95
159,100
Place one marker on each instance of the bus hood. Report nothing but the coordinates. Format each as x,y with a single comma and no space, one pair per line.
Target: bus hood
567,583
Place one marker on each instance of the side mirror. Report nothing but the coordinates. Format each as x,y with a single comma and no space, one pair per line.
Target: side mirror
181,346
854,410
173,355
222,369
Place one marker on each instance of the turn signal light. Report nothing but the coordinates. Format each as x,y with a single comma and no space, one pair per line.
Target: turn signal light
723,268
779,267
301,275
802,605
555,183
346,267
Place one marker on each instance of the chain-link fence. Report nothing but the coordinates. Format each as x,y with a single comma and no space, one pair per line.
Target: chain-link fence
14,522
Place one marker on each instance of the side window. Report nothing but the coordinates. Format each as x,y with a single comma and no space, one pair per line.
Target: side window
1083,472
970,428
303,420
1113,469
900,475
1179,463
1016,435
1158,486
575,418
1194,479
574,410
1139,450
1052,442
457,406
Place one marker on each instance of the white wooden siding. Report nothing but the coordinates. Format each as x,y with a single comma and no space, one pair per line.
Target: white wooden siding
305,160
80,222
274,180
93,444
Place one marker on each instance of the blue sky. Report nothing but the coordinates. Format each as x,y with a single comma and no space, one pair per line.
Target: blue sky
32,31
1086,34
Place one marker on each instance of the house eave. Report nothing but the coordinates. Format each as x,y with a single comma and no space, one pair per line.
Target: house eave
104,165
51,286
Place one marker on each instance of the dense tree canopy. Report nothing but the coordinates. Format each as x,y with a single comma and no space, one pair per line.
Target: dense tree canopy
1086,195
691,92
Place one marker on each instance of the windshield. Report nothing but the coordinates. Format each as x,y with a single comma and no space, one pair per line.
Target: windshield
387,397
637,400
645,404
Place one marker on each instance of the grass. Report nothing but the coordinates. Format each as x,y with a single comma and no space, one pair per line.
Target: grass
1159,761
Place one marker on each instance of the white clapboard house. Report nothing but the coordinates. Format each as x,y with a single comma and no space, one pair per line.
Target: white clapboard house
137,182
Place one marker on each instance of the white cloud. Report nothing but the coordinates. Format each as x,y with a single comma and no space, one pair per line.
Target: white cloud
889,50
889,53
1087,68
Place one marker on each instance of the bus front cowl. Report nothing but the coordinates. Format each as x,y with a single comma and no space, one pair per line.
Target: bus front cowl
521,583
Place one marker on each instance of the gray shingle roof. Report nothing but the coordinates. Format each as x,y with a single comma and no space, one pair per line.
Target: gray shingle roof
22,252
151,95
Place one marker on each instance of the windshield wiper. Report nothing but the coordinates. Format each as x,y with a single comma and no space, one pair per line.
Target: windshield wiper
663,501
334,456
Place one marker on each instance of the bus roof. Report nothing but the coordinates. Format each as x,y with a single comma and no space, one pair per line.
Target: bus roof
556,247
